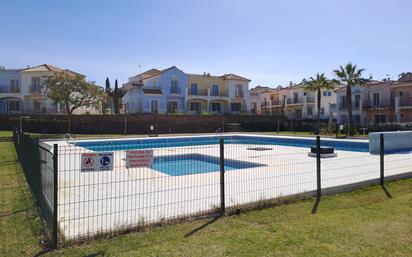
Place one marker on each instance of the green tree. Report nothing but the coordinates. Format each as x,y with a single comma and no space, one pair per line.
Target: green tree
319,83
116,98
107,86
106,102
350,76
73,92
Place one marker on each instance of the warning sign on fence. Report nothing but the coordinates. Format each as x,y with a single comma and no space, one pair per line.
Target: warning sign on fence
139,158
97,161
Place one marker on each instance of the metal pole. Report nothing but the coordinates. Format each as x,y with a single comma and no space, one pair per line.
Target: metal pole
336,129
278,126
55,196
382,163
318,178
125,120
222,176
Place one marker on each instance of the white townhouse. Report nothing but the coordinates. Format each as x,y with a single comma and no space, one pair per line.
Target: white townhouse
155,91
22,91
172,91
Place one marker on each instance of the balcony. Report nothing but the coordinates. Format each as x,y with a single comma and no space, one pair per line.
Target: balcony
10,89
175,90
355,106
239,94
205,93
198,92
35,89
301,100
379,104
405,102
276,102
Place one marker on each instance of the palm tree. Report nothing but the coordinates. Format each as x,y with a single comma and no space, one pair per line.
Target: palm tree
317,84
350,76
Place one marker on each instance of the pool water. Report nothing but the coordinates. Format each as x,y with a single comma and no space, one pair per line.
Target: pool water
114,145
188,164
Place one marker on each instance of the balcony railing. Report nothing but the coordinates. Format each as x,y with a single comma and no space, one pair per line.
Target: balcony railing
35,89
405,101
301,100
199,92
10,89
240,94
355,106
276,102
382,103
174,90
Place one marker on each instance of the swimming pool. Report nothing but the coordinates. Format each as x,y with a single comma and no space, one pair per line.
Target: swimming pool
114,145
188,164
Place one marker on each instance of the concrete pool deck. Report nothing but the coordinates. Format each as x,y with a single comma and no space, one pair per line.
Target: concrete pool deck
99,202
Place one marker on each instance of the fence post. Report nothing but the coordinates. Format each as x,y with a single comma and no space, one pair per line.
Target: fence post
222,176
337,129
318,174
382,163
278,126
55,196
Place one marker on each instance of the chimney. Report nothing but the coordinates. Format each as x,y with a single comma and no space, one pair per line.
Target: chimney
290,84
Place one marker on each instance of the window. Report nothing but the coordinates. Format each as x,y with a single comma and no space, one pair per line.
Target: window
174,89
295,97
14,86
35,84
215,107
235,107
154,106
215,90
298,113
239,91
39,106
310,110
357,119
172,107
322,111
14,105
342,104
193,89
195,107
380,118
400,93
357,101
329,93
253,108
343,119
154,83
375,99
325,93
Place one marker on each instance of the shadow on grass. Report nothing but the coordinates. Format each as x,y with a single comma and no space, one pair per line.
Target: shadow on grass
316,205
213,220
387,193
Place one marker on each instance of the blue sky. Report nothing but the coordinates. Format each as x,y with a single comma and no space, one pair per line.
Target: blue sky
270,42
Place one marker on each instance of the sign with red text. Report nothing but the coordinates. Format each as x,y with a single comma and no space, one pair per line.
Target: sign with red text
97,161
139,158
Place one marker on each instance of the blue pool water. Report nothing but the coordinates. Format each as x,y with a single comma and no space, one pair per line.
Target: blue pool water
113,145
178,165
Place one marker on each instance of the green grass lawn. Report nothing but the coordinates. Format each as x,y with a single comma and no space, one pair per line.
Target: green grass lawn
19,224
361,223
